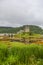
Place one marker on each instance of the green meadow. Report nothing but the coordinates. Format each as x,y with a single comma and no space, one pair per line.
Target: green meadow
17,53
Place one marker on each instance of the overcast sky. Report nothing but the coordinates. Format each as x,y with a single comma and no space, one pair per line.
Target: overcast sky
20,12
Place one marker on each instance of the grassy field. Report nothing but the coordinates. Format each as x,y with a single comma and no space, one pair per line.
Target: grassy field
16,53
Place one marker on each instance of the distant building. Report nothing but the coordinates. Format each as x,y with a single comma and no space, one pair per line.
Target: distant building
20,31
26,28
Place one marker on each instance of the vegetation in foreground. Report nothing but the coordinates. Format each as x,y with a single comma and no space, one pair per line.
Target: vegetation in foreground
16,53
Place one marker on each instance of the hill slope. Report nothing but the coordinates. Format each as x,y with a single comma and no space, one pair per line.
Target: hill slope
33,29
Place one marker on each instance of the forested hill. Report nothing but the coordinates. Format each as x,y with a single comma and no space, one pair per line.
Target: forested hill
36,29
33,29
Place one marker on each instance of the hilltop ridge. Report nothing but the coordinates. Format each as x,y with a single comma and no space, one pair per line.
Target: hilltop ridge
33,29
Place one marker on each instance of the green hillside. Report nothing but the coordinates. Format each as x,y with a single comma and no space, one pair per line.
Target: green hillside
36,29
33,29
9,29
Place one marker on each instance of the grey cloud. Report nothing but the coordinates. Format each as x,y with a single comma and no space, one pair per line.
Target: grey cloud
19,12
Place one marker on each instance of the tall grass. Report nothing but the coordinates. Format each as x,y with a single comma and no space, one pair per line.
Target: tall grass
14,53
